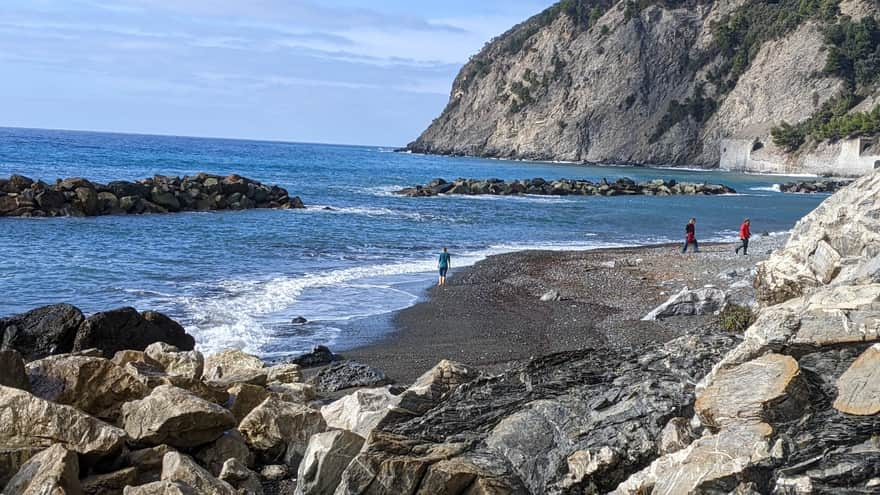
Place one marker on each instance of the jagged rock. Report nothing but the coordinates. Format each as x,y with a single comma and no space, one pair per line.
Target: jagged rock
121,358
109,483
687,302
258,377
52,471
126,329
325,458
94,385
12,459
430,388
41,332
215,394
62,425
12,371
583,464
676,435
187,364
229,446
347,374
769,389
239,476
285,373
243,398
275,472
174,416
834,244
320,356
149,462
300,393
859,387
551,295
711,464
231,362
280,430
180,468
161,488
360,411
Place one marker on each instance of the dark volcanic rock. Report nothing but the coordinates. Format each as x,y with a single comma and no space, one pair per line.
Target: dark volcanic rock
320,356
12,371
20,196
347,374
126,329
41,332
565,187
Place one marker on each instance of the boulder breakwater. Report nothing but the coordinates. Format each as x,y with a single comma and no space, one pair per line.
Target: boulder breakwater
814,186
23,197
564,187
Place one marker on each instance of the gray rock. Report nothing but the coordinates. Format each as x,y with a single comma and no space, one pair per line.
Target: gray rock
187,364
361,411
109,483
161,488
229,446
240,477
280,430
55,470
706,300
551,295
347,374
177,467
325,459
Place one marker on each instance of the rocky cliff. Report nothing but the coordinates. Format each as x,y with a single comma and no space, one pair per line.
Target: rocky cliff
650,82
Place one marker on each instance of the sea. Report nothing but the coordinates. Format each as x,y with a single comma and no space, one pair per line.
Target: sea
356,254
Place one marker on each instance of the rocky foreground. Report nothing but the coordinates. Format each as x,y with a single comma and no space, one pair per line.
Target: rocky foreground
24,197
565,187
791,406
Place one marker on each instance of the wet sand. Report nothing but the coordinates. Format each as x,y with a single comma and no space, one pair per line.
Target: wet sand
491,314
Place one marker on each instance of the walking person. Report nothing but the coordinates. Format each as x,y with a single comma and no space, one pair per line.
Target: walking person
443,265
690,236
744,234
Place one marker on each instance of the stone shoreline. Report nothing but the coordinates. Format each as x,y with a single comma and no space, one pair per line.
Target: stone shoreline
23,197
564,187
618,404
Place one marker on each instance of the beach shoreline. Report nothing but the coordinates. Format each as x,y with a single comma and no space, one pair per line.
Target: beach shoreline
490,314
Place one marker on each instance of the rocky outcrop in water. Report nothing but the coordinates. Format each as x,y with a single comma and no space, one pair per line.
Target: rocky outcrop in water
24,197
565,187
817,186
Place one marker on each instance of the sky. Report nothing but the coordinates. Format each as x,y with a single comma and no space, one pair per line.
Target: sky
333,71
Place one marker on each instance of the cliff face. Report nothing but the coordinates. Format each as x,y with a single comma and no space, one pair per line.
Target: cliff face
648,82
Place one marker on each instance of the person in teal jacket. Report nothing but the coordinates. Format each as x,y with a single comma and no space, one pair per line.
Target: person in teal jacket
443,265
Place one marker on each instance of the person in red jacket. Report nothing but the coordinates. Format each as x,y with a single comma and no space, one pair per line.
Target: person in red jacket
690,236
744,234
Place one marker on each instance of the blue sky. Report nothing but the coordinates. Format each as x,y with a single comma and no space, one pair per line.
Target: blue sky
340,71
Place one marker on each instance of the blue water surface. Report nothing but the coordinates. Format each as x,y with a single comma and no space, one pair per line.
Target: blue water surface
358,251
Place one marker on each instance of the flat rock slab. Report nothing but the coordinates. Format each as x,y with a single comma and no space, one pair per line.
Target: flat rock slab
764,389
858,389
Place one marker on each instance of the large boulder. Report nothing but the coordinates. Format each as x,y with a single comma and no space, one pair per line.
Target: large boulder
41,332
687,302
229,446
245,481
244,397
768,389
430,388
231,362
94,385
53,471
58,424
859,387
285,373
176,417
177,467
12,371
326,457
187,364
837,243
126,329
360,411
320,356
280,430
347,374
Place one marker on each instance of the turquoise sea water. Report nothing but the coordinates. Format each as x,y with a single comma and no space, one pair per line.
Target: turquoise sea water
237,278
